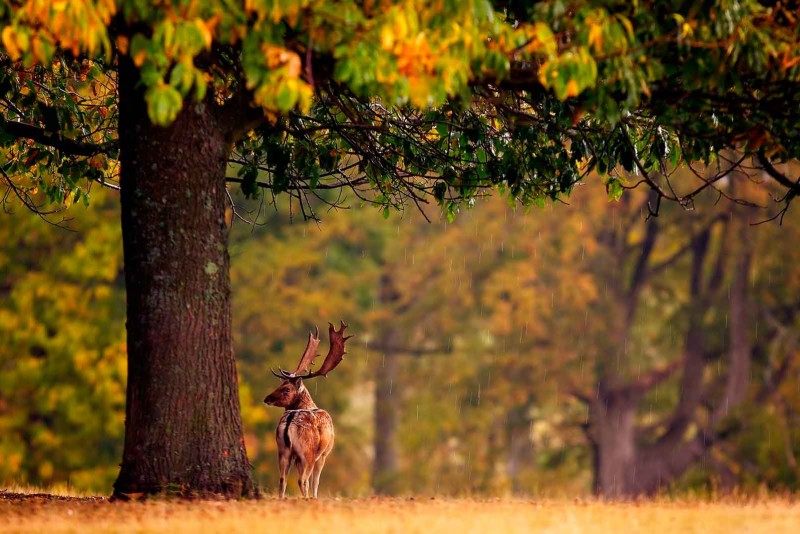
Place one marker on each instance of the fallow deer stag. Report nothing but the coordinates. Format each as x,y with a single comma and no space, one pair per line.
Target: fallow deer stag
305,433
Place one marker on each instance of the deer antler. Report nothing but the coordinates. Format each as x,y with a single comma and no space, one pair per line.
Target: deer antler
335,353
308,355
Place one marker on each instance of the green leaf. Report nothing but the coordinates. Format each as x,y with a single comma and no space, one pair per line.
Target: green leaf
614,189
286,99
163,104
249,178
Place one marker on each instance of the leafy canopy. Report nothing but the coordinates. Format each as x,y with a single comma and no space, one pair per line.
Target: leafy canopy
410,99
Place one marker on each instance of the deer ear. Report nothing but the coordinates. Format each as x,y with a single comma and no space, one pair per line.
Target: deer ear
296,381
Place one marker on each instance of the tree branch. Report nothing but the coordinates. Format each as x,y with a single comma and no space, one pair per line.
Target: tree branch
239,116
55,140
655,377
776,175
640,271
304,187
413,351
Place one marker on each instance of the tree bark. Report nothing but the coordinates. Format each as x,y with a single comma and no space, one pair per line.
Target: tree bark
183,429
613,435
385,466
385,475
739,365
521,454
738,378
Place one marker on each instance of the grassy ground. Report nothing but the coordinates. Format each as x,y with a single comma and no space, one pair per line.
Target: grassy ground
59,514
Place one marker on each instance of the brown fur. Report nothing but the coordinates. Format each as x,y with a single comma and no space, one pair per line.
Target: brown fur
304,435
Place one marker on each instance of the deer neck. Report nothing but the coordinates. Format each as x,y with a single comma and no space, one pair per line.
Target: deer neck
302,400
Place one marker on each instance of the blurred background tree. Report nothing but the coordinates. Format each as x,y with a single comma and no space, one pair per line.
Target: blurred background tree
62,347
491,351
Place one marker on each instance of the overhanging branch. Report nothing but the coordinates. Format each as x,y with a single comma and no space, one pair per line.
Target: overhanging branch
304,187
776,175
21,130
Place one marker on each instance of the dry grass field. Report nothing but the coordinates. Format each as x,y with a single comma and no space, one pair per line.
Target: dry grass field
89,515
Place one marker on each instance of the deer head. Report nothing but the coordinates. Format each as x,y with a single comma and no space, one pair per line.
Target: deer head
291,387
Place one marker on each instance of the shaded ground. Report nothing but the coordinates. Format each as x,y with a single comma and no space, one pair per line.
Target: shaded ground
48,513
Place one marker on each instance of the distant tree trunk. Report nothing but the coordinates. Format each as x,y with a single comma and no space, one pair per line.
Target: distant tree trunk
614,446
630,460
385,466
739,365
385,476
740,350
521,454
183,429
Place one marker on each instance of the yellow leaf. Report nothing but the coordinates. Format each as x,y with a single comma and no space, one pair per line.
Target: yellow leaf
400,24
39,51
387,39
9,38
596,36
627,23
572,88
205,31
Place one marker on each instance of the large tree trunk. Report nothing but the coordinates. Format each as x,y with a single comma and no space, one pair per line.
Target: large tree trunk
183,429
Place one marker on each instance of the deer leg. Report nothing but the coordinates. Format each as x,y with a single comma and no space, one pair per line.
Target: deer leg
307,479
303,476
284,460
320,463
